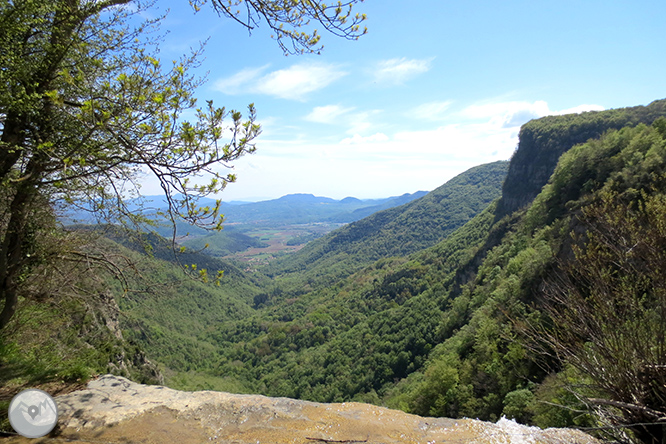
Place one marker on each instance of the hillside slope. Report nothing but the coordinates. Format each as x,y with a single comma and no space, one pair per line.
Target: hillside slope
168,311
110,316
223,243
307,208
543,141
432,333
397,231
602,194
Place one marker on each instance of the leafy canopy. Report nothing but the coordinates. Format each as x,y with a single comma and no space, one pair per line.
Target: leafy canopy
87,109
290,20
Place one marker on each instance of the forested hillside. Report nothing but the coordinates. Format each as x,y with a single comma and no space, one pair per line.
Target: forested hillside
397,231
549,310
479,324
571,285
223,243
106,316
543,141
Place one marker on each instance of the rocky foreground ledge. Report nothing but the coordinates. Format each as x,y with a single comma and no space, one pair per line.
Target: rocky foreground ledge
115,410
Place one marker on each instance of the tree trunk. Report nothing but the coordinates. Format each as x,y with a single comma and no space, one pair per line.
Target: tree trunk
13,260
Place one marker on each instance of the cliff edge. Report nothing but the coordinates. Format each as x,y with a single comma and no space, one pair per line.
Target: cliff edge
115,410
542,142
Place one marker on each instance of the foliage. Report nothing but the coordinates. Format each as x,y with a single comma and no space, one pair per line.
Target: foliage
85,108
606,306
543,141
398,231
289,19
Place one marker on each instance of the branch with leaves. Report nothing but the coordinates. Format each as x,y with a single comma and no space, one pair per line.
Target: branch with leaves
292,21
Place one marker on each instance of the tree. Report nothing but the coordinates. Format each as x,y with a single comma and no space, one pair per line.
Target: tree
86,107
290,19
606,312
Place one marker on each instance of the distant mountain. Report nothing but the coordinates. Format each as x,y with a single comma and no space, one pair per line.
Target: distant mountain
384,204
401,230
303,198
238,202
307,208
290,209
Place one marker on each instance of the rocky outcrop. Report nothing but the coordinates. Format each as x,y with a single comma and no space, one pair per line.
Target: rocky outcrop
115,410
543,141
125,359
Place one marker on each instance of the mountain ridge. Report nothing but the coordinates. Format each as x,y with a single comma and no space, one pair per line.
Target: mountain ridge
401,230
301,208
542,142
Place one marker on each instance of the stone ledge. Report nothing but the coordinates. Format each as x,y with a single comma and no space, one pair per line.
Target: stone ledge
115,410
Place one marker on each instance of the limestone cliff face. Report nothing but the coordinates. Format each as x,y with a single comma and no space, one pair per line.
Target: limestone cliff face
543,141
127,359
116,410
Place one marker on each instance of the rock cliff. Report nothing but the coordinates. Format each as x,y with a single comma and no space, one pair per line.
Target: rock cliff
543,141
115,410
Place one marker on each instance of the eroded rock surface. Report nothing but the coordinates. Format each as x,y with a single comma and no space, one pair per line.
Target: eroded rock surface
115,410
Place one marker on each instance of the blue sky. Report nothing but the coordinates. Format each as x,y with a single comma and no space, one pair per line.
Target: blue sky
434,88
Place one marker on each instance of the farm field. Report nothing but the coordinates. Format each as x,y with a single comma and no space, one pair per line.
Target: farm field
281,240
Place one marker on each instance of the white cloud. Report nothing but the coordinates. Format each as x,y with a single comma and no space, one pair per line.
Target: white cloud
580,109
241,81
292,83
383,160
327,114
432,111
468,143
516,113
358,139
355,122
361,122
377,165
399,70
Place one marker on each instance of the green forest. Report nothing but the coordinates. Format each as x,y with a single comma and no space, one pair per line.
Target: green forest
481,299
532,288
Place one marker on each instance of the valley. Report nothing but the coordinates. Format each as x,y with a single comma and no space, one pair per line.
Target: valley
382,311
486,297
259,232
274,241
448,225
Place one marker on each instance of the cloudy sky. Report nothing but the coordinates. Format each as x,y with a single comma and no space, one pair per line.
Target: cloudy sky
434,88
